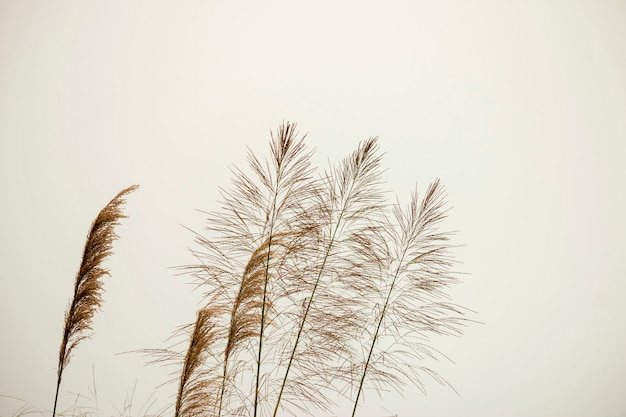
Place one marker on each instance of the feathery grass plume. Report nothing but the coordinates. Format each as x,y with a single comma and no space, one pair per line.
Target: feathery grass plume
247,307
418,268
194,390
349,217
88,285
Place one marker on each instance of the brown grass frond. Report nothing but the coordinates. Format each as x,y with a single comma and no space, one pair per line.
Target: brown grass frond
246,311
197,389
246,308
88,287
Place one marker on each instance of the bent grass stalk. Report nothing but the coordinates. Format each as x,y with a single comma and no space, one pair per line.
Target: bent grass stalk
88,287
191,400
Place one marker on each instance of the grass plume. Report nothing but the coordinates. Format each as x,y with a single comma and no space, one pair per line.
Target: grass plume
195,384
418,270
88,287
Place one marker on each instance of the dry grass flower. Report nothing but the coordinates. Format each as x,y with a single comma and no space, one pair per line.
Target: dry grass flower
88,287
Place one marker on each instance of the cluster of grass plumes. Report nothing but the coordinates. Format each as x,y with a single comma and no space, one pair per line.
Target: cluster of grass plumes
88,286
316,286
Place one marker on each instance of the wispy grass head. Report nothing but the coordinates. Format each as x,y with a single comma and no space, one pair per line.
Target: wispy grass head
195,397
88,287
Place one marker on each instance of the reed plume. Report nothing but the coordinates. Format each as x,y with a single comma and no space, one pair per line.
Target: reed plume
88,286
195,383
247,308
418,270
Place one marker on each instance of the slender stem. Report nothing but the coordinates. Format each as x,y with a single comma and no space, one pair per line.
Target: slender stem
258,362
219,410
63,351
227,352
267,268
56,395
375,338
304,317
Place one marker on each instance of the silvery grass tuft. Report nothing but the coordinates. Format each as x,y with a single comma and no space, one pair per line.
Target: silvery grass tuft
88,286
315,287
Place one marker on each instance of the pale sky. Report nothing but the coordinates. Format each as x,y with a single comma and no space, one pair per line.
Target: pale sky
518,106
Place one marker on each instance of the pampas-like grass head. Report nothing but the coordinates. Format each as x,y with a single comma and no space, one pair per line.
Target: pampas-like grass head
195,384
88,288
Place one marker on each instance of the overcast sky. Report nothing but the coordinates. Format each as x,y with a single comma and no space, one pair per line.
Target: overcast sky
518,106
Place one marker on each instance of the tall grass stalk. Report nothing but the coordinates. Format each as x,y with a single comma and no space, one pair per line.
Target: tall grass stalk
88,286
419,270
194,382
